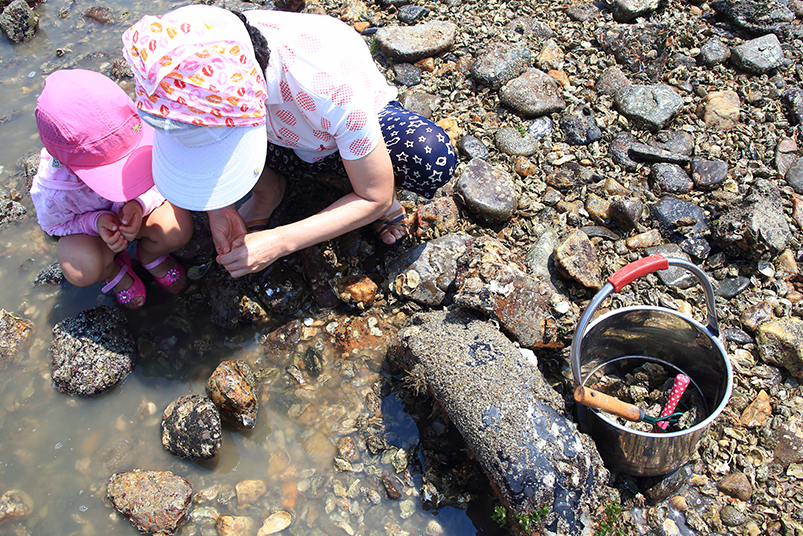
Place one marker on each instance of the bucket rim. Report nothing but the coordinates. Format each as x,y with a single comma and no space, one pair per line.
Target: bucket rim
714,413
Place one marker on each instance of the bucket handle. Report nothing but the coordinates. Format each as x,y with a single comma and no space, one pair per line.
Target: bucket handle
626,275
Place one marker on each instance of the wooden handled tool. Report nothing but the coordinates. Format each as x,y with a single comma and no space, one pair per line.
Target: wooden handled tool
594,399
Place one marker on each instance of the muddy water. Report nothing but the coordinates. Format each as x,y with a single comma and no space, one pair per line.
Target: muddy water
61,450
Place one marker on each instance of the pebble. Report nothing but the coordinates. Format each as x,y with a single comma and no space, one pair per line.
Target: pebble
649,107
721,109
411,14
580,128
498,64
713,52
708,174
407,74
759,55
732,286
510,140
758,412
670,178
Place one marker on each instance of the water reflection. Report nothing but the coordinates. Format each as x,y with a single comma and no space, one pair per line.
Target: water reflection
61,451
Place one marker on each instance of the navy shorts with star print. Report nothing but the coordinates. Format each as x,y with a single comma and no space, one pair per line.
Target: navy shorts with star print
420,151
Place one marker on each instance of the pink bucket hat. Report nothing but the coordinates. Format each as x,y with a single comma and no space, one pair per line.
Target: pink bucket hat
89,124
196,65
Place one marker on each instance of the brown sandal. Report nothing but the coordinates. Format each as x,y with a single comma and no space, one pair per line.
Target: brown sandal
392,221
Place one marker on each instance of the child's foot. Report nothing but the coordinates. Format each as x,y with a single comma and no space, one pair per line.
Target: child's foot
168,273
129,290
392,227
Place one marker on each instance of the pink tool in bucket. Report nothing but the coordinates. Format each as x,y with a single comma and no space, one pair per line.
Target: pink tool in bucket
621,340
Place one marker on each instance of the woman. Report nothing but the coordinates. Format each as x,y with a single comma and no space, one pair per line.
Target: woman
240,100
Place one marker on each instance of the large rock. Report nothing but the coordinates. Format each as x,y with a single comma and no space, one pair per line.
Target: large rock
10,211
492,281
755,16
487,192
759,55
499,63
511,419
412,43
18,21
781,342
532,94
156,502
92,351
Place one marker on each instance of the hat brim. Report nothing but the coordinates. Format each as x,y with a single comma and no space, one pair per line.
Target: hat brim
211,176
127,178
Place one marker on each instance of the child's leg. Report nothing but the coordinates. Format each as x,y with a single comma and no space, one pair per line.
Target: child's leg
86,260
163,231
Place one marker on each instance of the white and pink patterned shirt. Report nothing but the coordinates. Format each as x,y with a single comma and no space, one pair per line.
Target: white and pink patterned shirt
65,205
324,91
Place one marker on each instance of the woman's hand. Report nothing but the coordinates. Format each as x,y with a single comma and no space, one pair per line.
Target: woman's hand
253,252
130,220
109,231
227,226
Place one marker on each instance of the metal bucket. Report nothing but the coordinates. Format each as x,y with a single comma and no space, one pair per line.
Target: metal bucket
625,338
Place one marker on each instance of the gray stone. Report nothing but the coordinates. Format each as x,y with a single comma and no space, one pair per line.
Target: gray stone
92,351
418,102
732,286
492,281
626,212
619,150
759,55
641,47
513,422
191,428
510,141
580,128
500,63
785,155
156,502
407,74
473,147
755,16
628,10
670,214
674,276
540,127
670,179
487,192
532,94
732,516
756,226
426,273
792,100
410,14
610,81
713,52
642,152
583,12
650,107
18,21
412,43
540,259
708,174
794,177
676,142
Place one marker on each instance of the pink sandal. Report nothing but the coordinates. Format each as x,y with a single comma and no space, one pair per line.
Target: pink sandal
128,297
173,274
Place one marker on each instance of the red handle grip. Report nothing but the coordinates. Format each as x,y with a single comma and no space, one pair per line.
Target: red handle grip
634,270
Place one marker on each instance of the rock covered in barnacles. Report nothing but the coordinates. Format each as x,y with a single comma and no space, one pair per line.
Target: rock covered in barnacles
231,387
191,428
490,279
514,423
781,341
281,288
92,351
357,290
426,273
156,502
15,504
14,331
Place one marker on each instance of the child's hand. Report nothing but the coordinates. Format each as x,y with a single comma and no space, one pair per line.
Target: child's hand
130,220
108,229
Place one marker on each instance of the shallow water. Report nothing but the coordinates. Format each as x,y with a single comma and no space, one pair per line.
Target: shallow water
62,450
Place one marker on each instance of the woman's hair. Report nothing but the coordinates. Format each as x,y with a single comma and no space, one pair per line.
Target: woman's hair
259,42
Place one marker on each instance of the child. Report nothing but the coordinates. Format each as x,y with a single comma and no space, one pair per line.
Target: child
94,189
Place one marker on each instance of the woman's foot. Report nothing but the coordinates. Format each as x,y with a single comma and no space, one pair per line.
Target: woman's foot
265,197
392,227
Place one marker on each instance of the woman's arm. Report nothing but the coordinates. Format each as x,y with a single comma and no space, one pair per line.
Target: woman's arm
372,180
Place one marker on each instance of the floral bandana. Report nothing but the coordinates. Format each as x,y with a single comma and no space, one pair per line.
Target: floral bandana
196,64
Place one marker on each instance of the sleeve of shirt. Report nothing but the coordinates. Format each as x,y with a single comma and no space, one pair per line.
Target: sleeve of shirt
150,201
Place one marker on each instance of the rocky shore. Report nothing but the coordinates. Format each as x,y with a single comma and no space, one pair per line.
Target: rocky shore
591,135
